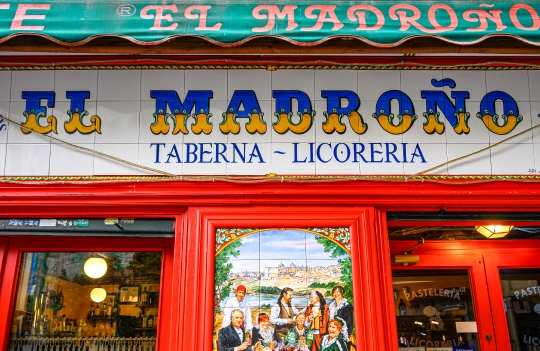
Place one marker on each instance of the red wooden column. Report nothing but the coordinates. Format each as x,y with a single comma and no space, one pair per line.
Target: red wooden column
194,266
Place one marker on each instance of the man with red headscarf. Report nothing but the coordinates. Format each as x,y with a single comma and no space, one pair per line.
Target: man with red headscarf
238,302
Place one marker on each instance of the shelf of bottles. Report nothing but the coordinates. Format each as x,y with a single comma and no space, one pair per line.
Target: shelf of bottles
82,344
146,321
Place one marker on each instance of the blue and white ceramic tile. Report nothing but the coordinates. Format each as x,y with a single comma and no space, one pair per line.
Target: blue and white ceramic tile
215,80
159,157
433,155
372,84
146,119
321,136
375,133
513,82
295,79
284,160
244,136
473,81
477,164
60,112
119,85
258,80
534,85
336,158
27,159
75,80
413,82
162,79
15,135
191,156
66,160
30,81
118,116
376,163
335,79
5,85
512,158
417,134
257,158
105,166
478,133
4,112
3,150
526,123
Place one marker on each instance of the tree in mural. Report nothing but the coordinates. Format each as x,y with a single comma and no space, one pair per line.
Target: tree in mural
344,260
222,270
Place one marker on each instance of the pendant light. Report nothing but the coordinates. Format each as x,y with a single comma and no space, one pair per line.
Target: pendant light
95,267
494,231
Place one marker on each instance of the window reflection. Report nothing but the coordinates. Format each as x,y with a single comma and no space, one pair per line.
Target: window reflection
86,300
434,309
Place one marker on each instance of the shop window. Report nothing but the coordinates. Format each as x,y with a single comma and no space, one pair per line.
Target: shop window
521,291
87,301
434,309
284,289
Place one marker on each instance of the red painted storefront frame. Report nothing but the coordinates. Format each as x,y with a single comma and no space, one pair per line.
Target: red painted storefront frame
201,207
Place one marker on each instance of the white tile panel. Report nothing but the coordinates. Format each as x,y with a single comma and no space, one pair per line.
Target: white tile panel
162,79
258,160
372,84
30,81
75,80
513,82
27,160
107,166
119,122
119,85
512,158
476,164
215,80
66,160
5,85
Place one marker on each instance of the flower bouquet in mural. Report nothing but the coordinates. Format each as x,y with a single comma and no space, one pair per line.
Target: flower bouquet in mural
281,287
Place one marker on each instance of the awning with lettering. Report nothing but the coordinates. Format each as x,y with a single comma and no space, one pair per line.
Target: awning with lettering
231,23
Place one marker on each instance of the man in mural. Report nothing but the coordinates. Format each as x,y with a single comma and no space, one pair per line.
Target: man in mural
282,314
233,336
238,303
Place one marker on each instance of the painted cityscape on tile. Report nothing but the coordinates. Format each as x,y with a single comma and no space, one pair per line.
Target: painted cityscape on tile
283,289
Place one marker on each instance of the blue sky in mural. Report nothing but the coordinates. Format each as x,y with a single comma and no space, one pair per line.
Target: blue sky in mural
290,246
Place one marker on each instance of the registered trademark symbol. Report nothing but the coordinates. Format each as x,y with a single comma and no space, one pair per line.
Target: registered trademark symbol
126,10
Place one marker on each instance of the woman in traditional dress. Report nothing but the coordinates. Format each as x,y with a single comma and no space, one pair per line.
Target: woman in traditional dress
334,341
341,308
263,332
299,337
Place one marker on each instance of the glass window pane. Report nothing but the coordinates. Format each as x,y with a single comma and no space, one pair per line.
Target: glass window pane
434,309
521,293
87,298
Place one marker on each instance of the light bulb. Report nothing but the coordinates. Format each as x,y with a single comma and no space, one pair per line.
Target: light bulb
98,294
95,267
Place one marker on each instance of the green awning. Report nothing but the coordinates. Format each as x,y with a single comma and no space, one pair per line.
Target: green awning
230,23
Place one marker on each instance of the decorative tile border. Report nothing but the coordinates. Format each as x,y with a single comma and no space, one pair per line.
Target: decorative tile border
271,178
404,66
339,236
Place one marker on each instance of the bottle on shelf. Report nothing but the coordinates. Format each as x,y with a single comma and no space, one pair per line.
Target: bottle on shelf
150,321
402,308
140,320
91,312
103,310
109,308
144,297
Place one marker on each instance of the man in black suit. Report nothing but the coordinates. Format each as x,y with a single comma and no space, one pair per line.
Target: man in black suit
232,337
